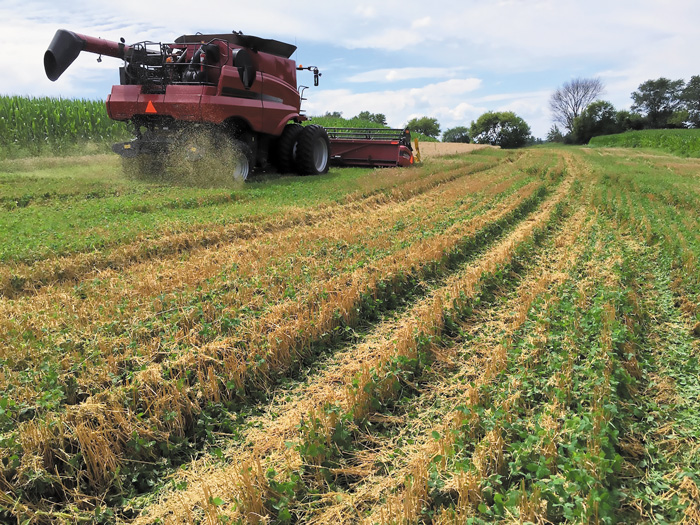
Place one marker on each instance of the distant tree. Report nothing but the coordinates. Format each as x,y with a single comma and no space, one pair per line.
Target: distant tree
377,118
657,100
555,134
691,100
502,128
567,102
334,114
428,126
626,120
599,118
679,119
458,134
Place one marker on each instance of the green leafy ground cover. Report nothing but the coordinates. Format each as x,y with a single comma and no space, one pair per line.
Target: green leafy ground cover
683,142
496,336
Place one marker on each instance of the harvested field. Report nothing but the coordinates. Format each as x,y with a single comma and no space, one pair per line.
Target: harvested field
440,149
499,335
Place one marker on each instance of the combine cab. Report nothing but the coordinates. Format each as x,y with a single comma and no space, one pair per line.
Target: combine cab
231,97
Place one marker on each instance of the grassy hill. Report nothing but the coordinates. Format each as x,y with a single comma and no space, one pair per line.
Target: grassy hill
683,142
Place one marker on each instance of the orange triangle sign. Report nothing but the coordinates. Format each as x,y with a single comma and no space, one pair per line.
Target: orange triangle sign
150,108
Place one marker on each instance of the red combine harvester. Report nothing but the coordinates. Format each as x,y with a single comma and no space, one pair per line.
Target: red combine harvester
231,96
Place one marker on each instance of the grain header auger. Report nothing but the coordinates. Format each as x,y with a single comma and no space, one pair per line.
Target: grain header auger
232,96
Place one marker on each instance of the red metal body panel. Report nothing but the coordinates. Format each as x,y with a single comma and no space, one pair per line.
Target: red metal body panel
216,109
267,106
100,46
182,102
122,103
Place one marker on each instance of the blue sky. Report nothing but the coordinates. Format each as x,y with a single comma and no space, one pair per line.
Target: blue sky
452,60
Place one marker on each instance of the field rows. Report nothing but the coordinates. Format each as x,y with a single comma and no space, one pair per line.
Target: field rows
363,374
494,336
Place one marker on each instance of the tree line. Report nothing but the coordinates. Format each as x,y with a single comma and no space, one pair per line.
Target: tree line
498,128
656,104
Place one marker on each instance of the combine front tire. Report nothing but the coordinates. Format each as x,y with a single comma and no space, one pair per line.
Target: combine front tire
285,148
243,160
313,150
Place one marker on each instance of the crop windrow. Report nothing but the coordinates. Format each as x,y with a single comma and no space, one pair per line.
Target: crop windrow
20,277
537,442
325,419
417,459
104,318
83,431
659,438
508,336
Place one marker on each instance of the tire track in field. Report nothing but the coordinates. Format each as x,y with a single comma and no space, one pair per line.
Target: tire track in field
329,386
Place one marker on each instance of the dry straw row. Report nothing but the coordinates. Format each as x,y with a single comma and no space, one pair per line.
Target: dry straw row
127,300
150,393
426,316
73,267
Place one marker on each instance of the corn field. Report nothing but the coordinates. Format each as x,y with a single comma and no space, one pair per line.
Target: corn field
48,126
494,336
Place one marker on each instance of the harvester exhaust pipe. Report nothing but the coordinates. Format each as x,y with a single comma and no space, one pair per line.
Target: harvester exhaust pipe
66,46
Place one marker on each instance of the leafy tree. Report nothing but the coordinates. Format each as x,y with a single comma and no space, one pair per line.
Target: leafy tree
567,102
599,118
658,100
334,114
627,120
458,134
377,118
555,134
679,119
428,126
691,100
502,128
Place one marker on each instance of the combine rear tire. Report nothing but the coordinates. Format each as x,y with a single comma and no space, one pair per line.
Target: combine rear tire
285,148
313,150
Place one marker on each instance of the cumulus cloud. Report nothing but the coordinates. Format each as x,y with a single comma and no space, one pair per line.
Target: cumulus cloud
442,100
520,51
406,73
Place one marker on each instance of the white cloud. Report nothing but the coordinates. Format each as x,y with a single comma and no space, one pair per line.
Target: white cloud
366,11
422,22
520,50
406,73
443,100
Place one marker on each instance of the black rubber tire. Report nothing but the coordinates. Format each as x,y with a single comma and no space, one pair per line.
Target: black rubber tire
284,152
244,160
313,151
